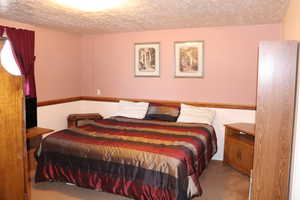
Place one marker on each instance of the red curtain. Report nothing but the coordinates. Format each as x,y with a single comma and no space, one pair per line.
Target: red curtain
22,42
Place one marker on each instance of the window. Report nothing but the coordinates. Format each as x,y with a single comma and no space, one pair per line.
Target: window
8,61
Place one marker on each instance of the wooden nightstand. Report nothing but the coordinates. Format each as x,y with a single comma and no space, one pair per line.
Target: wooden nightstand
239,146
34,137
75,120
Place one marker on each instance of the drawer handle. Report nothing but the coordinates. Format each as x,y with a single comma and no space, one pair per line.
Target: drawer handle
239,155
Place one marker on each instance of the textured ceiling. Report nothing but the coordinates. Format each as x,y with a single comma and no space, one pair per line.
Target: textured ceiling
140,15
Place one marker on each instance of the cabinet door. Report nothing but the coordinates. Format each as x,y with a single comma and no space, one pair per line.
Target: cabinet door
239,155
12,138
274,119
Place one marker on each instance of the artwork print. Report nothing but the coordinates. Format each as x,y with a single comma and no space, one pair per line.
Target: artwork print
147,59
189,58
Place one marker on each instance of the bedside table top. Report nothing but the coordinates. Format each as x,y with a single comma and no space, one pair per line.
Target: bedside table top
35,131
248,128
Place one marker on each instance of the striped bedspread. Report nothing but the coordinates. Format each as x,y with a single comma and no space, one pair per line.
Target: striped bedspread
140,159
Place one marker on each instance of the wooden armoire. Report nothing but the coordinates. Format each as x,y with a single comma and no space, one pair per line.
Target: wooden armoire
276,92
13,159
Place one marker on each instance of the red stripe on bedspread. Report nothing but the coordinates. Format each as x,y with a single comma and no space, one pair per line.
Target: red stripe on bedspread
201,130
162,137
138,126
110,184
158,126
172,152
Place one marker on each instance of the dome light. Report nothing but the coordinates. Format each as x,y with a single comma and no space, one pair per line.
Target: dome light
90,5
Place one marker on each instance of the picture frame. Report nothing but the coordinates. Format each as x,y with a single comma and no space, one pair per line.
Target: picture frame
147,59
189,59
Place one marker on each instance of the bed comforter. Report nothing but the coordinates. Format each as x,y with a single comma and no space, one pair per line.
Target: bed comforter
140,159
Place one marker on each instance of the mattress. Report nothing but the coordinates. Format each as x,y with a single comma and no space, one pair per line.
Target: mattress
139,159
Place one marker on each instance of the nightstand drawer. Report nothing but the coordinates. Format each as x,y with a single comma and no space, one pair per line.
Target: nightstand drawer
239,155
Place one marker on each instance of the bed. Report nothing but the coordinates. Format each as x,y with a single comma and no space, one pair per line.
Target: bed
139,159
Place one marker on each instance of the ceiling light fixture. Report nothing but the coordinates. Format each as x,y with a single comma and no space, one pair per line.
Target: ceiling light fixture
90,5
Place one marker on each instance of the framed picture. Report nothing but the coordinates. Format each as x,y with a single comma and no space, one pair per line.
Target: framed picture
146,57
189,59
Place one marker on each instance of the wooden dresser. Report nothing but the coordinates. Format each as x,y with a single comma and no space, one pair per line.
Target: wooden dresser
239,146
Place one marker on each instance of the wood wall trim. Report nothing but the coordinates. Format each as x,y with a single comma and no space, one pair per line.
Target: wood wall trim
211,105
58,101
114,99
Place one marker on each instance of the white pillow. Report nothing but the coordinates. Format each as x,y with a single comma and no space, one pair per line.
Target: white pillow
130,109
193,114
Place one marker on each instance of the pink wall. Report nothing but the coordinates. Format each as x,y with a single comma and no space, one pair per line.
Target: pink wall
57,66
230,64
70,65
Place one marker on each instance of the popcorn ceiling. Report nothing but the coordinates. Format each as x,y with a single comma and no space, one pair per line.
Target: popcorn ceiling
141,15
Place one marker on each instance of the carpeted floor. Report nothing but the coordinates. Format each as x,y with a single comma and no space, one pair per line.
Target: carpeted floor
219,182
